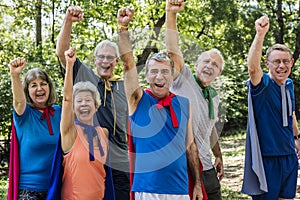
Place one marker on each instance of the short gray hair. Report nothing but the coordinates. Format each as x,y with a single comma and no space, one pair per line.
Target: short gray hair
107,43
216,51
90,87
160,57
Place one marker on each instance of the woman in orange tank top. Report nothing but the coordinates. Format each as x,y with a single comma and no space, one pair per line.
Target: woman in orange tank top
83,142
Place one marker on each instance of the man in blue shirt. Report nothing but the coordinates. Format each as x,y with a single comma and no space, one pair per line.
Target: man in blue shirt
272,97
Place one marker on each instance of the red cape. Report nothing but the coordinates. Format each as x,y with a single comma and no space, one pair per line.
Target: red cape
14,166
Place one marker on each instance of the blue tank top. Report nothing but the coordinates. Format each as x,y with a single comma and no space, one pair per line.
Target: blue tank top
161,163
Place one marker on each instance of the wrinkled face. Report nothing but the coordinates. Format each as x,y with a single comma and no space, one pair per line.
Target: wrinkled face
84,107
159,78
39,92
208,67
280,64
105,61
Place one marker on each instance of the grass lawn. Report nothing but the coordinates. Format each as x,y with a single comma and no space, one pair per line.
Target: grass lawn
233,149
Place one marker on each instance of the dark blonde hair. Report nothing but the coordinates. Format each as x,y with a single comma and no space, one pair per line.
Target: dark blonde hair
90,87
39,73
279,47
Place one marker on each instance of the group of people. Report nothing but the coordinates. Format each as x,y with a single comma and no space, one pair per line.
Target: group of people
120,141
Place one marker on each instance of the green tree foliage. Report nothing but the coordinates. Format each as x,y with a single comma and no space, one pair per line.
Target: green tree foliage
225,25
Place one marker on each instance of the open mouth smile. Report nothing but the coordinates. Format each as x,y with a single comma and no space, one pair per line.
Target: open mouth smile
281,72
159,85
105,67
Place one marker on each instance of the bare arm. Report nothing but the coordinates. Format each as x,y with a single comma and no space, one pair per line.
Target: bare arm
255,52
217,153
295,125
67,125
172,37
193,160
296,133
132,88
16,67
73,14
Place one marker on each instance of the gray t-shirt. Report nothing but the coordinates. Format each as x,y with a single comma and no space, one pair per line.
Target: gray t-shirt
185,85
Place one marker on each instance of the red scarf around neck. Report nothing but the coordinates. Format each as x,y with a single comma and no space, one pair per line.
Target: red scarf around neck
49,110
166,102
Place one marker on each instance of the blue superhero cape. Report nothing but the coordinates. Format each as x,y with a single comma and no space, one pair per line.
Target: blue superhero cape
254,182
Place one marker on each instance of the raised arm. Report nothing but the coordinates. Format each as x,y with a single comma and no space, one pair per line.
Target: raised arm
73,14
132,88
16,67
172,37
255,52
193,160
67,125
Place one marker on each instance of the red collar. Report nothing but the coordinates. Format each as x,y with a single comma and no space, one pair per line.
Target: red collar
166,102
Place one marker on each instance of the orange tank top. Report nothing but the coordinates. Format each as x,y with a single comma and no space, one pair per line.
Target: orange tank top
84,179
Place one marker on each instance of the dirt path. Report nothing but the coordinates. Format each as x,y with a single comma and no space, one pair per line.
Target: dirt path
233,149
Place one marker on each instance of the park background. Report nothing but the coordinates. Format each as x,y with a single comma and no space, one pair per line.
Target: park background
29,28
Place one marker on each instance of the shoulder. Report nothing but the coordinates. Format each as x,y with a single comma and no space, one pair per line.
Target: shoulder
78,65
184,81
145,101
290,84
78,62
146,97
182,99
265,80
183,73
289,81
56,106
26,111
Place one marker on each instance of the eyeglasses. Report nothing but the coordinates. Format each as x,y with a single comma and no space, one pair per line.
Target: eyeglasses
277,62
102,58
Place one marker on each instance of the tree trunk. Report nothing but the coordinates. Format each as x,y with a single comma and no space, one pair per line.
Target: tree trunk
279,35
150,48
38,28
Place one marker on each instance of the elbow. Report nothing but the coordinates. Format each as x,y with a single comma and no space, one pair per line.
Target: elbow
59,53
251,70
190,149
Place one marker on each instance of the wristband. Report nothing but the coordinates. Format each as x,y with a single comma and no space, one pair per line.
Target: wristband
296,137
123,28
